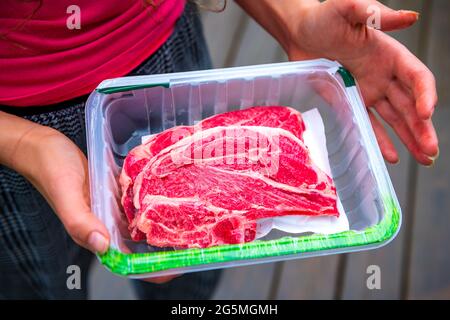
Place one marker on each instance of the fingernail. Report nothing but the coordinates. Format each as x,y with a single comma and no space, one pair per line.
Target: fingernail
97,242
431,164
437,154
433,158
415,13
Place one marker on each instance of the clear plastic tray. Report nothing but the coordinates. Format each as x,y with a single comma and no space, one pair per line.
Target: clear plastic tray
120,111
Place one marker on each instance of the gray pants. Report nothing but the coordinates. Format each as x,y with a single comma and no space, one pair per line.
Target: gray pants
35,250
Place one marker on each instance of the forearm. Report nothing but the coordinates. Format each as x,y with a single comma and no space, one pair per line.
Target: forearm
15,133
277,16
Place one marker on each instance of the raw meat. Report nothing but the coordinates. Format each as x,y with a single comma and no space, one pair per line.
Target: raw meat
208,184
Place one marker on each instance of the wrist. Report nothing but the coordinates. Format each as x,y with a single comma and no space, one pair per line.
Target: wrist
14,135
298,32
28,153
281,18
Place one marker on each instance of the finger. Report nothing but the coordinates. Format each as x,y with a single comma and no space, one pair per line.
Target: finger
422,130
414,75
160,280
362,11
384,141
390,115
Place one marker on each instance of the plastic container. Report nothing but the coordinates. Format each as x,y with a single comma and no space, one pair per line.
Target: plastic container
120,111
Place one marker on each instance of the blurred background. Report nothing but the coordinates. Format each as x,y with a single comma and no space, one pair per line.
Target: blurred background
416,265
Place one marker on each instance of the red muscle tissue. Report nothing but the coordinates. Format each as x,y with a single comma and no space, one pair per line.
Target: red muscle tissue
208,184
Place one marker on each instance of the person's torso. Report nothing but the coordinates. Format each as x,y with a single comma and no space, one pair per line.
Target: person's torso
53,50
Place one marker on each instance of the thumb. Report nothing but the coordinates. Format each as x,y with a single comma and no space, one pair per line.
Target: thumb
73,209
372,12
60,173
86,230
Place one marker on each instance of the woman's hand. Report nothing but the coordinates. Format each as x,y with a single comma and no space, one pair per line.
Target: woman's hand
58,169
393,81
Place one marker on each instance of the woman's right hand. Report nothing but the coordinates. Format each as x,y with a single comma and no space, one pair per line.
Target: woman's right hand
58,169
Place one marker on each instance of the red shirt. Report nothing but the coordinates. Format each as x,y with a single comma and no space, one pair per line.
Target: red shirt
45,59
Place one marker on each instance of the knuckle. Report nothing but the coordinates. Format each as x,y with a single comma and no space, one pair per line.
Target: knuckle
395,120
431,76
417,125
350,5
435,100
345,8
421,74
406,108
392,117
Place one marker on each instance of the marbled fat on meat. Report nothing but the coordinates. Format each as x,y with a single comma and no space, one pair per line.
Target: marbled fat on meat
208,184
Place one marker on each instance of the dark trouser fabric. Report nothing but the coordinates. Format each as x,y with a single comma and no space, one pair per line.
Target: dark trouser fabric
35,250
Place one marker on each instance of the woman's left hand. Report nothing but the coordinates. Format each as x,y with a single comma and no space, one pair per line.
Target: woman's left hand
393,82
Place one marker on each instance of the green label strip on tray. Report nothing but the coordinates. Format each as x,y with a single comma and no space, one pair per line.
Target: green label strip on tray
141,263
